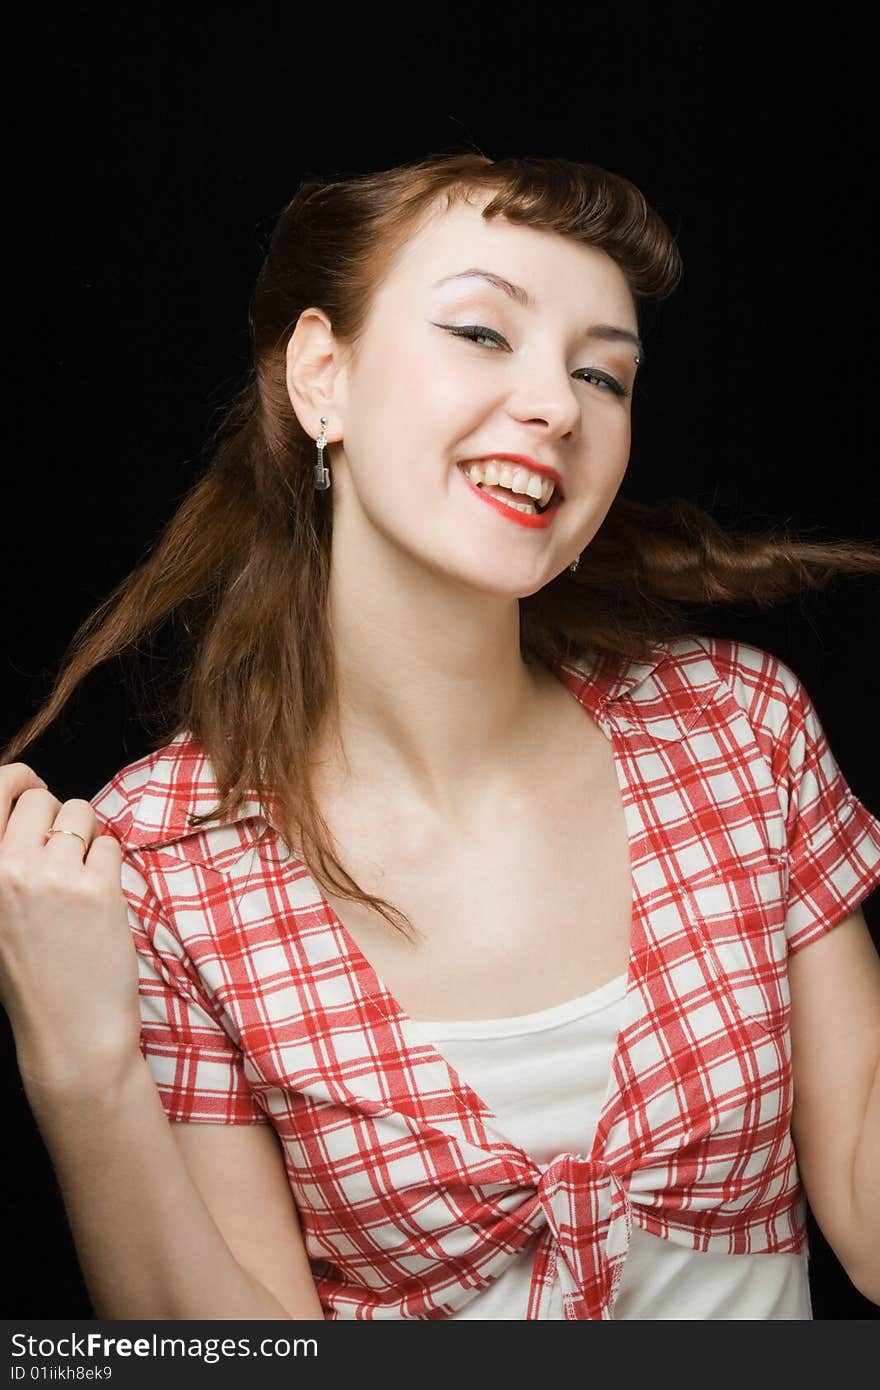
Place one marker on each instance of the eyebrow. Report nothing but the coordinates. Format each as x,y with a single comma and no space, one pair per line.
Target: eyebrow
605,331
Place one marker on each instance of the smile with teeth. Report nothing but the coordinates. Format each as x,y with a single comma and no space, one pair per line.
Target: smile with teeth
496,473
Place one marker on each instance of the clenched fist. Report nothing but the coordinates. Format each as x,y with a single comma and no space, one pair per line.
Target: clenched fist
68,967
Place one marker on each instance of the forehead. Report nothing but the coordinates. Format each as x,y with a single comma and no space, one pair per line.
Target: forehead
552,267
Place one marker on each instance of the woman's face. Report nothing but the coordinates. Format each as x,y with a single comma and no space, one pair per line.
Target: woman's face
419,400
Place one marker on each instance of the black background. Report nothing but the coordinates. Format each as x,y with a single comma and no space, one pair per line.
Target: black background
155,148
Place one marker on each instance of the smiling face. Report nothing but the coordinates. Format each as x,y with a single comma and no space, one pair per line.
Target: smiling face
419,399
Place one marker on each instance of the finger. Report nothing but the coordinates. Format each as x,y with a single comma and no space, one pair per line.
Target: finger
15,778
32,815
66,842
72,831
105,855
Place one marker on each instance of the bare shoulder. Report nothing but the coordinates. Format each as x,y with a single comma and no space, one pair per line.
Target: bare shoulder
240,1173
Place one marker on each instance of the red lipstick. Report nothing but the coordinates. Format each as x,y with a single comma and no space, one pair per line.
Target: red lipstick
525,462
537,521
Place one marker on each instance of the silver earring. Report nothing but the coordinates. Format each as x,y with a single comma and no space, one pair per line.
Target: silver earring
575,562
322,473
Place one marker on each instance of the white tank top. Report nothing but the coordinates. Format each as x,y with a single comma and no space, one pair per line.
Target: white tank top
545,1075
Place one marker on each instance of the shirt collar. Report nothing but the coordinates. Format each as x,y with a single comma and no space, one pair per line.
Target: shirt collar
177,782
603,681
174,785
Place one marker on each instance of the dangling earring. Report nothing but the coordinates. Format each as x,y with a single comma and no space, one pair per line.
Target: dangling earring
322,474
574,564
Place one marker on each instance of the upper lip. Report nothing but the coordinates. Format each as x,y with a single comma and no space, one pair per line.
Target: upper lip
525,462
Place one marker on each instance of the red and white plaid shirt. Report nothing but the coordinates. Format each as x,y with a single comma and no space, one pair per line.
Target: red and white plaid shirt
745,843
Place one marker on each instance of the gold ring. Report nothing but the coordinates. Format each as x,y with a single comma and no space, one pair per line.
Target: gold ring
68,832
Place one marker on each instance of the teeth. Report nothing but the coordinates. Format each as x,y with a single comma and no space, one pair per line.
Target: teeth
497,473
517,506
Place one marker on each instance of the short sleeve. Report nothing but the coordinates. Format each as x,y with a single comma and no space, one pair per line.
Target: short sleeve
196,1065
833,839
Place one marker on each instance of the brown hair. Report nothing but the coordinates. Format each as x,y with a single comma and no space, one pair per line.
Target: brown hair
243,565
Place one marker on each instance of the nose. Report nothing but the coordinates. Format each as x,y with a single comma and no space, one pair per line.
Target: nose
551,401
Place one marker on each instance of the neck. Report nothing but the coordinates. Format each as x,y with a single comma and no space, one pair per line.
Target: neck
435,701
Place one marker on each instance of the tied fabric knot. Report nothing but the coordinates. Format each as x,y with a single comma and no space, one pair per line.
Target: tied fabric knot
589,1221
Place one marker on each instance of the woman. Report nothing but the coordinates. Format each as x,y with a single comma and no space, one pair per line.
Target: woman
438,664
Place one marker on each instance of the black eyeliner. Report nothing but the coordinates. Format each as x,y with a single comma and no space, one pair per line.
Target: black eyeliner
472,331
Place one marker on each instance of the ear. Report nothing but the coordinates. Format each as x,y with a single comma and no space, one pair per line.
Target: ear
314,374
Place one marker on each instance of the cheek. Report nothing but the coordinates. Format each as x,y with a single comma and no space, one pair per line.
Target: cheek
446,397
618,446
410,401
397,441
608,444
412,417
609,454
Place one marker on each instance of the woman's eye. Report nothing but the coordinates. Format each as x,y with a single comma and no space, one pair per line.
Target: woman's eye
609,381
474,333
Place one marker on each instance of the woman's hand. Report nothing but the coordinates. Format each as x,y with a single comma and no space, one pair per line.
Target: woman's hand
68,967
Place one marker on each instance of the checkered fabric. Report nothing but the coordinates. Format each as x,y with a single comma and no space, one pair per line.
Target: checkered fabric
746,844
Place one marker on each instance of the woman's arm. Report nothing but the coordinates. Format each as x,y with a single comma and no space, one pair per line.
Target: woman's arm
150,1244
147,1242
835,1038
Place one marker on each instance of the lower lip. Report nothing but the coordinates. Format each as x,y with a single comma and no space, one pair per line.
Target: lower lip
537,521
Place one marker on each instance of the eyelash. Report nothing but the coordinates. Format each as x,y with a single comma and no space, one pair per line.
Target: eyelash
474,331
